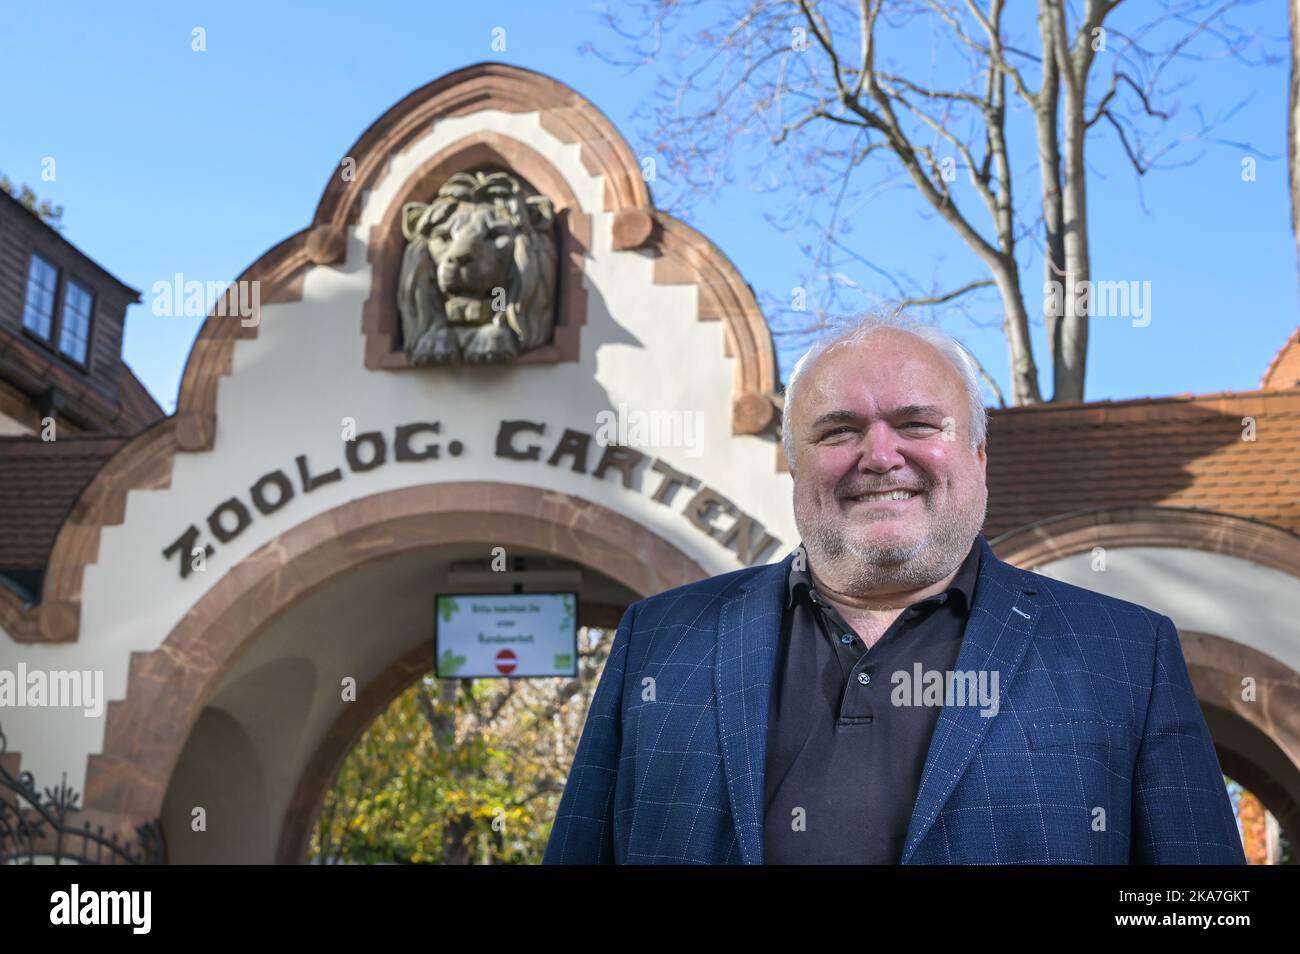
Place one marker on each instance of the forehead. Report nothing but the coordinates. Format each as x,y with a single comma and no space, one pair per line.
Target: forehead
889,370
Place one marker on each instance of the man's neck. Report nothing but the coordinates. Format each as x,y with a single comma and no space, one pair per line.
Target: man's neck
872,614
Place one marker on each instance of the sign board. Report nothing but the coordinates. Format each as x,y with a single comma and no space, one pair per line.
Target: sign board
495,635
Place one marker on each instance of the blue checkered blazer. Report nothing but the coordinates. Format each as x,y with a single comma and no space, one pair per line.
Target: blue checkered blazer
1098,753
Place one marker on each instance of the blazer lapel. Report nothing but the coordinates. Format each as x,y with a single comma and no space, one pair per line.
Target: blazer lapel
997,634
749,629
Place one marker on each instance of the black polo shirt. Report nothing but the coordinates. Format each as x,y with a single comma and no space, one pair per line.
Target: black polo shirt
843,762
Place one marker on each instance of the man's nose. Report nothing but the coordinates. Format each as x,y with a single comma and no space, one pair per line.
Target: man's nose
880,449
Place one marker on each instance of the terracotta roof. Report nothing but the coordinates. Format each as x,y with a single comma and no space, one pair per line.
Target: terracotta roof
1184,451
39,483
139,409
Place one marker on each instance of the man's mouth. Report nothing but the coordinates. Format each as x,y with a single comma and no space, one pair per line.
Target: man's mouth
884,495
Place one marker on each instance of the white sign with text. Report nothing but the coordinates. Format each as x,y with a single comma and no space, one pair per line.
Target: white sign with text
506,635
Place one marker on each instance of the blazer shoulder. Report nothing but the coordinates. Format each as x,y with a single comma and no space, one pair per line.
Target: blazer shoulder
713,587
1068,596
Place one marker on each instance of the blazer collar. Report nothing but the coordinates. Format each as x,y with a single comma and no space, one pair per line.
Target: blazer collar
997,634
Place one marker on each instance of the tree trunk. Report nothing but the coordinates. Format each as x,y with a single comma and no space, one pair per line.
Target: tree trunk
1015,325
1073,68
1049,169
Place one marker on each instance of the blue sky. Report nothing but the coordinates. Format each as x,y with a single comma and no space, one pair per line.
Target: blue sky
169,160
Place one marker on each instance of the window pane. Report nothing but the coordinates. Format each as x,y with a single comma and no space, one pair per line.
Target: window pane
38,313
74,329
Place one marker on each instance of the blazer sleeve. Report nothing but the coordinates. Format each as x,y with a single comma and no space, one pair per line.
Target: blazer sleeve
1181,810
583,833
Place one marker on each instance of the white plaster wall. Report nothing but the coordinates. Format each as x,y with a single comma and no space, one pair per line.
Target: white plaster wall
642,346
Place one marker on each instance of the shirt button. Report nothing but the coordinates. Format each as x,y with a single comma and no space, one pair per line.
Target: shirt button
846,638
864,678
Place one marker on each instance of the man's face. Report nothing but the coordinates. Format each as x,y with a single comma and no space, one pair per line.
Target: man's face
887,414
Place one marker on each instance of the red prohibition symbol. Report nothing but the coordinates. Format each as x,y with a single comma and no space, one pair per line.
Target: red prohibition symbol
506,662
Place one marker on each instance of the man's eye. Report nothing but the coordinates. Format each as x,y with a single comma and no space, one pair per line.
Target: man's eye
836,432
919,424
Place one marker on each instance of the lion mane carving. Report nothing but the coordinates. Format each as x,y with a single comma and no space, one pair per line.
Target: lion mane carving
478,275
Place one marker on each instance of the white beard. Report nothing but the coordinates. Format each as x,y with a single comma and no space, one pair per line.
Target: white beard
856,570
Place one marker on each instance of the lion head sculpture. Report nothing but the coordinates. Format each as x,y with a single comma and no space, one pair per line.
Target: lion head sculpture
479,271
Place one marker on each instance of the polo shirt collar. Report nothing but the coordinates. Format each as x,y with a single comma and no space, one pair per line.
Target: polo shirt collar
799,581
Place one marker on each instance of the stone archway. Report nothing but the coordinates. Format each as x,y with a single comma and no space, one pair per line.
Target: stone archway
168,688
295,829
1143,526
1256,733
103,600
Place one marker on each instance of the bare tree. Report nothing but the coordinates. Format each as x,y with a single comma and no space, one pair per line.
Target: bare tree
931,88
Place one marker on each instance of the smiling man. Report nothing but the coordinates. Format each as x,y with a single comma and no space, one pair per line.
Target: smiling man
892,692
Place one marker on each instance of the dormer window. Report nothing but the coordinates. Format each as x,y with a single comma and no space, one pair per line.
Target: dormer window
74,326
42,286
59,310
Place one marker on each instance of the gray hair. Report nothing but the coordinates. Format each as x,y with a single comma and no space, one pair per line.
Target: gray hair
863,328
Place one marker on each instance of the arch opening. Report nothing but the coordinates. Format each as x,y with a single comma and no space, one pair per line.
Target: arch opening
368,569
